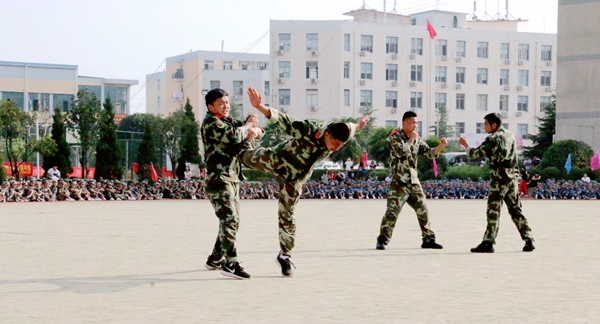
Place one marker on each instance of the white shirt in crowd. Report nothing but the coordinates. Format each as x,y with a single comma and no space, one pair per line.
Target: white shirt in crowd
54,174
586,179
348,164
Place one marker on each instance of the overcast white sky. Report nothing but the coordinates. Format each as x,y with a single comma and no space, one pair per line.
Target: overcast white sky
127,39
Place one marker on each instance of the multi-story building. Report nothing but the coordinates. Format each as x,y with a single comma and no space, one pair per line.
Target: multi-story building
332,69
577,101
41,87
192,75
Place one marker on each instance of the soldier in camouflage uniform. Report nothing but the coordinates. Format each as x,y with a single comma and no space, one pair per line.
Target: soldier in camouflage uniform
224,138
405,147
500,149
292,162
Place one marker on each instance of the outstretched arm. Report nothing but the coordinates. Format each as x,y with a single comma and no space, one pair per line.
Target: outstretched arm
256,101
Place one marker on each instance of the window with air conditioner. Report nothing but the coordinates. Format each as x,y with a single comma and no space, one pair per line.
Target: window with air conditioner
461,49
523,78
416,99
546,78
416,46
416,72
391,44
505,51
366,43
366,98
482,102
547,53
391,72
440,73
441,48
285,42
366,71
503,103
460,75
285,68
545,102
523,103
523,129
391,99
312,70
482,76
312,97
284,97
459,128
347,97
440,101
504,76
460,101
482,49
524,52
346,70
312,42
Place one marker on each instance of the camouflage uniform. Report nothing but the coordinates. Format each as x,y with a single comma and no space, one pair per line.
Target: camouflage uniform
291,162
405,186
500,149
223,139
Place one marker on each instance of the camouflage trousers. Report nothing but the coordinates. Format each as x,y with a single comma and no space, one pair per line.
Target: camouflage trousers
509,193
398,195
289,195
226,202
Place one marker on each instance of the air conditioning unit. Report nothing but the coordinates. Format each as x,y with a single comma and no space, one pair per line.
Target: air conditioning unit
413,83
413,56
548,89
519,88
313,80
281,47
549,63
507,62
394,110
506,87
363,82
519,113
280,52
362,53
521,62
394,83
459,59
280,81
504,114
314,53
283,109
444,58
458,86
282,75
443,85
394,56
313,108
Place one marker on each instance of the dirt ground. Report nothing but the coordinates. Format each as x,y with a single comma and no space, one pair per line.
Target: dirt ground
142,262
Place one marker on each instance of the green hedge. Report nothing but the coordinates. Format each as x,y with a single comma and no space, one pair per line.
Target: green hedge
467,171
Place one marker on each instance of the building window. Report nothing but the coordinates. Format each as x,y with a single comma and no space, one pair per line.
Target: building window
416,99
461,48
366,98
391,44
503,103
391,72
117,94
312,42
546,77
420,128
347,42
440,73
524,52
346,70
63,101
312,70
244,65
480,128
209,65
546,52
522,103
442,47
545,101
366,71
284,97
227,65
238,89
40,101
312,98
416,72
460,75
416,46
440,100
523,77
262,65
460,101
504,74
391,99
505,51
482,49
482,102
523,129
285,42
505,125
366,43
284,69
215,84
459,128
267,88
157,85
391,123
482,76
347,97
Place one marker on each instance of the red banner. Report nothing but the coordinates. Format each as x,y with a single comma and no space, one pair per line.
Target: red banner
78,173
25,169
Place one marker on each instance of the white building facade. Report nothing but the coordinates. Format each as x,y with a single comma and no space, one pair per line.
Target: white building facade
331,69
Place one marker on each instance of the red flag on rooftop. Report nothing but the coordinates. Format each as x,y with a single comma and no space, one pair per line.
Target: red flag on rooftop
430,29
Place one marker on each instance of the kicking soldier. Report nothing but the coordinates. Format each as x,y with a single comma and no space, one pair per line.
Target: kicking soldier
292,162
500,149
405,147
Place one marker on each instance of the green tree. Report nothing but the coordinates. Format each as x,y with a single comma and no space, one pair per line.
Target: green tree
425,165
130,132
108,155
18,144
146,153
556,155
543,140
190,149
62,157
442,129
379,146
84,120
2,173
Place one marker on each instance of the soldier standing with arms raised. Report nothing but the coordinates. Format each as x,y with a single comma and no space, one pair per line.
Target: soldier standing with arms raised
500,149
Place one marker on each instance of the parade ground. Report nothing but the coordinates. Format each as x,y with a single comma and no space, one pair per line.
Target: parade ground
143,262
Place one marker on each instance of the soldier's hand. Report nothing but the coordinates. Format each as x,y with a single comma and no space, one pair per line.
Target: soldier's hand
363,122
463,141
443,142
254,97
253,133
253,119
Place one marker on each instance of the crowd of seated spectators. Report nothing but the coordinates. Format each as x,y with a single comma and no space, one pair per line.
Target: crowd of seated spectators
28,190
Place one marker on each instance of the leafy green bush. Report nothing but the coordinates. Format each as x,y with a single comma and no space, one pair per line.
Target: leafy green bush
467,171
575,174
550,173
257,175
556,155
2,174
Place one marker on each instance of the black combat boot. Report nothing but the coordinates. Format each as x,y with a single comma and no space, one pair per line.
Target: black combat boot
528,246
380,243
484,247
430,243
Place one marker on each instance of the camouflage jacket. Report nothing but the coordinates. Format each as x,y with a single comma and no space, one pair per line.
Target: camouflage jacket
500,149
295,159
404,158
223,138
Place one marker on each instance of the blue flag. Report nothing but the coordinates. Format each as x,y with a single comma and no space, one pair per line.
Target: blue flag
568,164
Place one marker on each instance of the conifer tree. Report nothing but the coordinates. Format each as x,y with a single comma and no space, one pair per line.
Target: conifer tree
190,149
62,157
146,153
108,155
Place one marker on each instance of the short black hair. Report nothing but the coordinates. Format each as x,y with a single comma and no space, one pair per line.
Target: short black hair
213,95
339,131
409,114
493,118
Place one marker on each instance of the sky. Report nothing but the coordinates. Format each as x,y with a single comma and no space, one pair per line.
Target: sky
128,39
